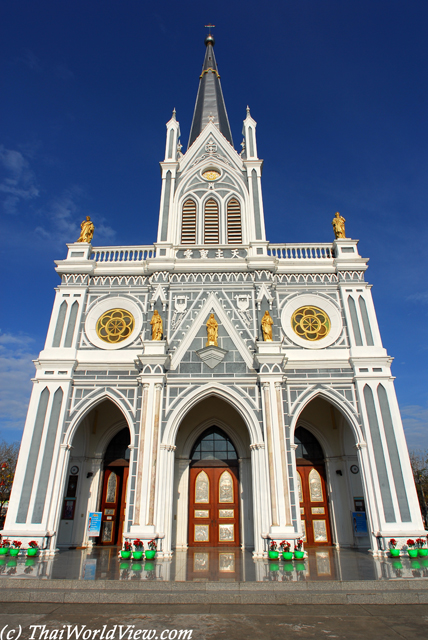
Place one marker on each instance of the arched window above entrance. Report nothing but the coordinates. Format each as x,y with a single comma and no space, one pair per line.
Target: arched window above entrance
117,452
214,444
308,446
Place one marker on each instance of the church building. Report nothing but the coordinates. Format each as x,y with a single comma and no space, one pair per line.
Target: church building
214,389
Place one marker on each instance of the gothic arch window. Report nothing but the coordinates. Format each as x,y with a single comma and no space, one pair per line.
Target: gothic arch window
234,224
211,222
308,446
214,444
188,223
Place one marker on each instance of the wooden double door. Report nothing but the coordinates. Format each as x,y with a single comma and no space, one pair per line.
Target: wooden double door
213,506
113,504
314,504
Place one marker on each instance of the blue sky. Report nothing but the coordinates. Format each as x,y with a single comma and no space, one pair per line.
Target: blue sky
339,91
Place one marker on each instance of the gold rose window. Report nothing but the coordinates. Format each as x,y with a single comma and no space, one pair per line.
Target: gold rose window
211,175
310,323
115,325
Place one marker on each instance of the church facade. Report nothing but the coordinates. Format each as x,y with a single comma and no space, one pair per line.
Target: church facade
214,389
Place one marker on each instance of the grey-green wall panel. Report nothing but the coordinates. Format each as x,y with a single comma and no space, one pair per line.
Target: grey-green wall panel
165,210
385,491
256,201
39,503
33,455
354,320
59,324
391,441
71,324
366,322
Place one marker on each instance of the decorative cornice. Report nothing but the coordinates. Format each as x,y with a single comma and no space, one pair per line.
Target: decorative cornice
257,445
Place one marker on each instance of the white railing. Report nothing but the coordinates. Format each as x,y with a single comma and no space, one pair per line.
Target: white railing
301,251
123,254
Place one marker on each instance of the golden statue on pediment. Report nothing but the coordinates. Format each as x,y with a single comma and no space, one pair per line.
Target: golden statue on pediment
267,324
157,326
212,332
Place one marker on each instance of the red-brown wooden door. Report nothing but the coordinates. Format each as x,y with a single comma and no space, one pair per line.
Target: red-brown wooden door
214,507
113,505
314,505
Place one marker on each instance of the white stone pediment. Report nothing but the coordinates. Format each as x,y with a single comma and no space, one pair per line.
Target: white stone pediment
212,305
211,356
224,150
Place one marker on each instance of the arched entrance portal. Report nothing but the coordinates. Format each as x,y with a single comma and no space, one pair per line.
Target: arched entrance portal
115,481
214,491
312,488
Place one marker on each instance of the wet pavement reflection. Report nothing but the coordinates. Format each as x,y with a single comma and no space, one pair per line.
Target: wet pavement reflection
225,565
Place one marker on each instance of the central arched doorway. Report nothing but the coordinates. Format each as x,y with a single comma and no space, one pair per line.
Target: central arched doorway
313,498
214,491
115,482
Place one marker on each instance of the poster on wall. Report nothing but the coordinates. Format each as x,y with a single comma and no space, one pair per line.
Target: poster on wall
94,523
359,523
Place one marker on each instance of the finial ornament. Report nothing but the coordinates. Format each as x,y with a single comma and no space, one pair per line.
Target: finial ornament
338,223
157,328
212,332
174,113
248,110
210,38
87,230
267,324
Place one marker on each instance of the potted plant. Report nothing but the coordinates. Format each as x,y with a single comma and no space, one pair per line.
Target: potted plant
413,553
4,548
33,548
423,553
151,551
286,553
139,548
127,549
298,551
392,550
16,545
273,553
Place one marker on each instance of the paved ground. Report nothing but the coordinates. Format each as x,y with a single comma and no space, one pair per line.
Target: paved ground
212,622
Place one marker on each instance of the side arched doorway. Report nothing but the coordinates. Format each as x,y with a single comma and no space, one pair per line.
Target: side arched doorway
113,494
214,491
312,487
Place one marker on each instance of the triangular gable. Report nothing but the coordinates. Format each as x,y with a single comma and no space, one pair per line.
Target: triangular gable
159,292
226,149
263,292
212,305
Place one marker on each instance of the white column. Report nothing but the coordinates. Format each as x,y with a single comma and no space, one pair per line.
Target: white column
182,502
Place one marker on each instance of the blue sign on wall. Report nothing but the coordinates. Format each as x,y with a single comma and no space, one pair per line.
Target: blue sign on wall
359,523
94,523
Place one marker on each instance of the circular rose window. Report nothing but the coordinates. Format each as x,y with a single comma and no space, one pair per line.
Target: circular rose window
211,175
115,325
310,323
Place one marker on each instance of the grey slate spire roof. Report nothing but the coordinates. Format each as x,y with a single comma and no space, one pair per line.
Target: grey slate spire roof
210,101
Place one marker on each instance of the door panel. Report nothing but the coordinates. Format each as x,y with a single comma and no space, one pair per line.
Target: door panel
314,505
113,504
214,507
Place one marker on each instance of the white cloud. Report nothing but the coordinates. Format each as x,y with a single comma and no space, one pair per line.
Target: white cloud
30,60
419,297
19,182
16,371
415,421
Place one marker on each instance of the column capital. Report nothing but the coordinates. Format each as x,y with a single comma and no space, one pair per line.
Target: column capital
65,447
293,446
257,445
168,447
360,445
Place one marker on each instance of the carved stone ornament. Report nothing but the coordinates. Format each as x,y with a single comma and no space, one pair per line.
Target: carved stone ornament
211,356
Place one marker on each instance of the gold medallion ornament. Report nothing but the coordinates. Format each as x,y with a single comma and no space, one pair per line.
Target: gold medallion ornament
211,175
115,325
310,323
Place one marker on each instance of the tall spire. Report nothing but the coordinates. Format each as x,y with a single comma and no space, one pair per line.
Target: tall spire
209,101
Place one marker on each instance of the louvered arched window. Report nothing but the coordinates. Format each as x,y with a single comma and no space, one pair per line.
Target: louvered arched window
234,226
211,228
188,223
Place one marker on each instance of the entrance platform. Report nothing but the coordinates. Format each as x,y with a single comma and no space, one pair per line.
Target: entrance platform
213,576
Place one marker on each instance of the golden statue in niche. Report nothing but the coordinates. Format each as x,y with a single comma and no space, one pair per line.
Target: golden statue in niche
157,327
212,332
338,223
87,230
267,324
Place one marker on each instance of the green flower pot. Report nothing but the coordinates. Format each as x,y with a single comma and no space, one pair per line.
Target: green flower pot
31,552
125,554
299,555
14,552
273,555
413,553
422,553
150,554
394,552
287,555
137,555
4,551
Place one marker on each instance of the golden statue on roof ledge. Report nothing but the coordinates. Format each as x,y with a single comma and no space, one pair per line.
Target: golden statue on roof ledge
338,223
87,230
